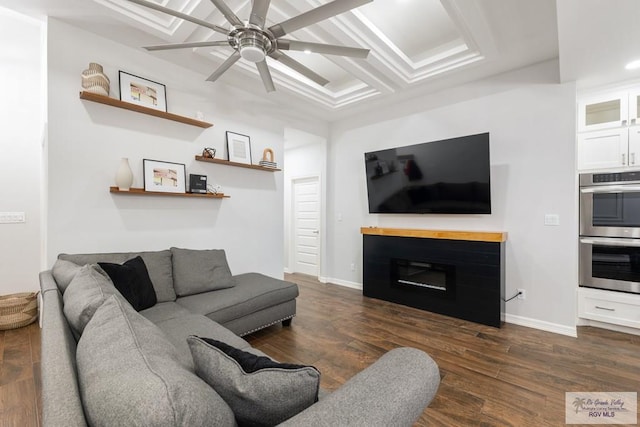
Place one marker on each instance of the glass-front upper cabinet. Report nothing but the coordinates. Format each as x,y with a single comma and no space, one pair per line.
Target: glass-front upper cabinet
605,111
634,107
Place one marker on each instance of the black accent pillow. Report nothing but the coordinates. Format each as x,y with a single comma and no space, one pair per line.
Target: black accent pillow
133,282
260,391
249,362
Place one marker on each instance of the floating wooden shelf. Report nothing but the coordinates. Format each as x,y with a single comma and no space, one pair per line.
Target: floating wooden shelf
478,236
141,192
240,165
101,99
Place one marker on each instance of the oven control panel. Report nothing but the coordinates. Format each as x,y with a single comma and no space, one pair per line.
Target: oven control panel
609,177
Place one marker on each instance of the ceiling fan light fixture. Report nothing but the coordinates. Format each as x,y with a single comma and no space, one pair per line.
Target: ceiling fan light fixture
253,46
252,53
253,42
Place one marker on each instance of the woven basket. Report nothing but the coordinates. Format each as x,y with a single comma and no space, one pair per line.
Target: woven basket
18,310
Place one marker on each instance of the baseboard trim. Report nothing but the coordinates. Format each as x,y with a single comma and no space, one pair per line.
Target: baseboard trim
609,326
541,324
509,318
345,283
287,271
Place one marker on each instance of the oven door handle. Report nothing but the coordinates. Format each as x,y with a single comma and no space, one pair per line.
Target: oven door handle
611,189
610,242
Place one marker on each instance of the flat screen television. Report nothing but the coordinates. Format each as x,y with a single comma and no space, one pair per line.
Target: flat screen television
450,176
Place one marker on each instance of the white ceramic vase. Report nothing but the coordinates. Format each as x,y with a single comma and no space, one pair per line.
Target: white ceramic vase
124,176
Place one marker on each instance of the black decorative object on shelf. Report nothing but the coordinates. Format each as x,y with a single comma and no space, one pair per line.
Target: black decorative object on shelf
197,183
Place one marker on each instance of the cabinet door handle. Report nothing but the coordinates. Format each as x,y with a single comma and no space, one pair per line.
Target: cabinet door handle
624,123
632,158
605,308
633,121
624,159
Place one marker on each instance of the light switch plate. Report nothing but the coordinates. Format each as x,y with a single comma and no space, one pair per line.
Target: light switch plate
12,217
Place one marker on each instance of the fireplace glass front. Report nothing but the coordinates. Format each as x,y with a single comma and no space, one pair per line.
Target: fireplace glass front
425,277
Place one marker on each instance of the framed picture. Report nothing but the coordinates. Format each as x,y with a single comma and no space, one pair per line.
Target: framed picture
239,148
164,177
139,91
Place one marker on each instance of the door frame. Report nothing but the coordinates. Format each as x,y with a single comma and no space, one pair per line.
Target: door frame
292,226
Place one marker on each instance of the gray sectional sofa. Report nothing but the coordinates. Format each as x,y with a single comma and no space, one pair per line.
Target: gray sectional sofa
108,361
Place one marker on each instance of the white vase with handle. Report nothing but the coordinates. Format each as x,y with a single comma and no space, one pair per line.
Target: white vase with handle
124,176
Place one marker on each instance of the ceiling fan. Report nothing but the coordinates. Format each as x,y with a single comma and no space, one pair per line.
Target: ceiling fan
253,42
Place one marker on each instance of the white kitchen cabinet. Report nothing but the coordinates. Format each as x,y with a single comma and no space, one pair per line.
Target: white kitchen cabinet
609,130
617,308
634,146
604,111
634,107
607,148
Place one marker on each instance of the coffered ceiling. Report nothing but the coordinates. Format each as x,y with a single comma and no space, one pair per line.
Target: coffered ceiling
416,46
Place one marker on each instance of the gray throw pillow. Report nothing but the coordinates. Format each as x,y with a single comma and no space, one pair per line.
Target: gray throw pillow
158,265
129,375
84,295
196,271
260,392
64,272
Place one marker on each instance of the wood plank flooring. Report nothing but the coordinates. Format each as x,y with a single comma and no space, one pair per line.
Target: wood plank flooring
20,385
512,376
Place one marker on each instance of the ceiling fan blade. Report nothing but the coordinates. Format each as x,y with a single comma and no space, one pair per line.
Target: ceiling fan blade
227,12
259,12
318,14
295,65
186,45
180,15
328,49
265,75
224,67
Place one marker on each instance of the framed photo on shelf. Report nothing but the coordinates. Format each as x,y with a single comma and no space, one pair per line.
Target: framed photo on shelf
143,92
164,177
239,148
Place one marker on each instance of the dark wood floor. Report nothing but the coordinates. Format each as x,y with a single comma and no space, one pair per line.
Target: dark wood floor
512,376
20,377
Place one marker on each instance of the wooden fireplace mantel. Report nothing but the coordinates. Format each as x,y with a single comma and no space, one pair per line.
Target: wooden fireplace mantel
476,236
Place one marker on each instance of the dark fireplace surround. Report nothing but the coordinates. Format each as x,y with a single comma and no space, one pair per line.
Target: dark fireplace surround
437,271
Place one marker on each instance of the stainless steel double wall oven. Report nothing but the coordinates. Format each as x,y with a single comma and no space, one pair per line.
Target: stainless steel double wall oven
610,231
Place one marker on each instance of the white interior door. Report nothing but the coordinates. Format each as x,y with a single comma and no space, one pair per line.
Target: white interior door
306,225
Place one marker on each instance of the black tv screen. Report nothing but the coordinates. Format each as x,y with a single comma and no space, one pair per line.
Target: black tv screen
450,176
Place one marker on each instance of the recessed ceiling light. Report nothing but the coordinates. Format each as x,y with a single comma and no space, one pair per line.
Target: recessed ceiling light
633,65
307,51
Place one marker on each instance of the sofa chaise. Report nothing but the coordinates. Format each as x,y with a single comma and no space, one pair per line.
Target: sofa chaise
154,339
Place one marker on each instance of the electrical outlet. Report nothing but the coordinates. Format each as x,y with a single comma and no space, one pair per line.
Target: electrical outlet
523,294
551,219
353,266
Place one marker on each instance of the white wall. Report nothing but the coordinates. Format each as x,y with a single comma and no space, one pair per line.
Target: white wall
531,121
22,118
87,140
306,158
